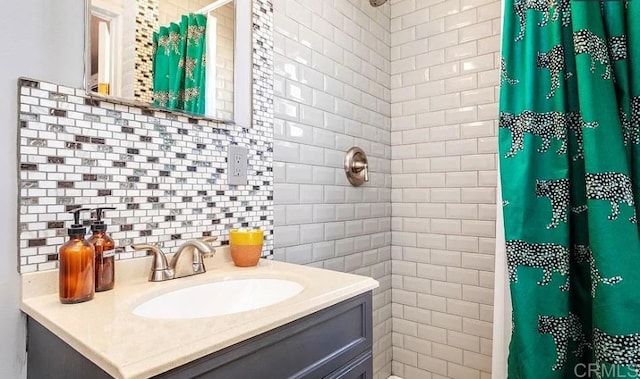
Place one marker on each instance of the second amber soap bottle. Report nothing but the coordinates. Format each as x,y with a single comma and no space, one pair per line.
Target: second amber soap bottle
105,252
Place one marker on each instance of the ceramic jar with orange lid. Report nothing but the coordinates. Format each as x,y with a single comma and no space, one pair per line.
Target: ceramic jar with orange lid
246,246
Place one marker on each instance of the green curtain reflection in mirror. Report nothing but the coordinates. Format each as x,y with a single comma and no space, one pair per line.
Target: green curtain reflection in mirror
179,62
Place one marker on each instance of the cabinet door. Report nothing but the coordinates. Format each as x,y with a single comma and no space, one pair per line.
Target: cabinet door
313,347
359,368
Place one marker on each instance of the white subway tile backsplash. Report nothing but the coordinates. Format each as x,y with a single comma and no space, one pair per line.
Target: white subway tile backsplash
445,164
430,180
402,7
459,20
298,92
403,36
460,115
477,96
286,236
486,12
323,138
481,228
461,83
462,179
298,214
475,64
487,111
431,59
476,31
296,173
443,9
431,210
310,194
415,195
297,52
286,151
324,212
334,230
456,371
323,250
415,18
333,194
444,71
443,40
284,26
311,233
478,162
417,76
404,180
487,178
312,78
477,129
322,175
310,155
461,147
286,193
477,261
286,110
431,241
491,77
487,211
477,294
416,165
430,28
346,212
445,226
462,243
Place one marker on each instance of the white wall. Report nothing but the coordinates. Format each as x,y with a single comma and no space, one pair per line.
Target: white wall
444,92
331,87
44,40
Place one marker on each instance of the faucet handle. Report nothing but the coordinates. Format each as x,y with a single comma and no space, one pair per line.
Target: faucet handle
356,166
160,267
208,239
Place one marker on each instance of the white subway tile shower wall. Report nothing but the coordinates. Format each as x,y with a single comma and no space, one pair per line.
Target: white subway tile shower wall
444,78
331,89
165,173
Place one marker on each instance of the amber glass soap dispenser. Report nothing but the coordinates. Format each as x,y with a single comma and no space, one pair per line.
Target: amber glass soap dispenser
76,259
105,252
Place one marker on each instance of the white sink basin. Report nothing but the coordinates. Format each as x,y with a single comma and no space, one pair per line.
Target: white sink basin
218,298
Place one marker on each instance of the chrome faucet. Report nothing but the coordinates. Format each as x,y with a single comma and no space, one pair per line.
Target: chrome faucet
161,270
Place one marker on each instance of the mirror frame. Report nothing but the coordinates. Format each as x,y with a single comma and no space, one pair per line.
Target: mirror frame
242,70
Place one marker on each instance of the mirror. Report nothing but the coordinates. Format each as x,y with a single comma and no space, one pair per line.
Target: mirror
188,56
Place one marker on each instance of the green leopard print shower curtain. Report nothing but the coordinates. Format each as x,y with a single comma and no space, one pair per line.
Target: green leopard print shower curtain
569,135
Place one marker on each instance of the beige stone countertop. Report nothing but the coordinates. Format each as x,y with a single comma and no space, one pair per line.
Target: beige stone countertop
127,346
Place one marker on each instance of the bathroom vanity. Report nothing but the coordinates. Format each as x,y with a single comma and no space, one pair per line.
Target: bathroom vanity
325,331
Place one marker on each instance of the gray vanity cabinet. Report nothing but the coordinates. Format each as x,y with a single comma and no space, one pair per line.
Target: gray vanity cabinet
333,343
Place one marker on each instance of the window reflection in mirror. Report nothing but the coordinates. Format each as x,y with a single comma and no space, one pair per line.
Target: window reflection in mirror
151,51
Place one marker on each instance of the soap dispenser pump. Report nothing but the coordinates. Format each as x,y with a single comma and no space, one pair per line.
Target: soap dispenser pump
105,252
76,258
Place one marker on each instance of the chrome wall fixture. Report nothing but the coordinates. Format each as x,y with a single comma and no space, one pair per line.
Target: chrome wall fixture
356,166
